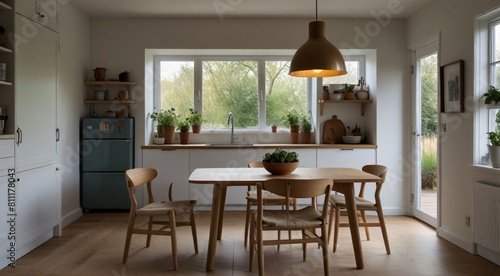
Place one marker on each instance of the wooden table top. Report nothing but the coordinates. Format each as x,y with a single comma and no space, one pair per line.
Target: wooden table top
250,176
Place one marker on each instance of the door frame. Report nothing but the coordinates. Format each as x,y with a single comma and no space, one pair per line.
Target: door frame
416,137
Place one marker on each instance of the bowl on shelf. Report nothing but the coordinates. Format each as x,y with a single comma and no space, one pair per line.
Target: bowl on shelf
351,139
280,168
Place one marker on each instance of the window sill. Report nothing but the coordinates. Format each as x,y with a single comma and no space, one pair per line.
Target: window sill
486,169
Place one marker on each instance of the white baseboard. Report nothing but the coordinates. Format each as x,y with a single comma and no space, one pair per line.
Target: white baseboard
455,239
70,217
488,254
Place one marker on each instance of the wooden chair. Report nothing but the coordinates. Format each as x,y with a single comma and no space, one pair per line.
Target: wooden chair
362,205
269,199
163,216
307,219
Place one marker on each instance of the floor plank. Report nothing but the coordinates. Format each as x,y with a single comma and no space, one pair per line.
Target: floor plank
93,245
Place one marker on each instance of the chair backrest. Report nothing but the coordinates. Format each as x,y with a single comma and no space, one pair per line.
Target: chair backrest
137,177
378,170
256,164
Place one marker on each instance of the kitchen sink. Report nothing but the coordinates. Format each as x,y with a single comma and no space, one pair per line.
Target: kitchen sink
229,145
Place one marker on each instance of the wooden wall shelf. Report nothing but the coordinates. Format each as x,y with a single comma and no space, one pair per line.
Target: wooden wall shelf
363,104
109,102
91,82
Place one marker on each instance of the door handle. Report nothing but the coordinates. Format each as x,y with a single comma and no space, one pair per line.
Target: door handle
58,135
19,135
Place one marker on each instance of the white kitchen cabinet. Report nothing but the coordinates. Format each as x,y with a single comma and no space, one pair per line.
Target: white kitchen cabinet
347,158
7,200
38,207
44,12
221,158
6,156
36,83
172,167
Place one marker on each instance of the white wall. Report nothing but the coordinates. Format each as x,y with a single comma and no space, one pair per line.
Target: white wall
119,44
72,69
454,20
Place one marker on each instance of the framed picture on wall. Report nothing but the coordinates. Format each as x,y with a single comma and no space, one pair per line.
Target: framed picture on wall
452,87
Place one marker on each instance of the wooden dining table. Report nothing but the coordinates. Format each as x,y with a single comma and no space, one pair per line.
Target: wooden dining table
221,178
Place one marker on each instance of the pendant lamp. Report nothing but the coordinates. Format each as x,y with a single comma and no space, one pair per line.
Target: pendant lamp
317,57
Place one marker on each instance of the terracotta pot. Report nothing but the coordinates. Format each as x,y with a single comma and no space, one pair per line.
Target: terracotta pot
184,137
100,73
168,133
280,168
306,137
274,129
349,96
196,128
294,129
294,137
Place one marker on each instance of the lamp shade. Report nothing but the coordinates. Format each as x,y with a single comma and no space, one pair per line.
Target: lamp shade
317,57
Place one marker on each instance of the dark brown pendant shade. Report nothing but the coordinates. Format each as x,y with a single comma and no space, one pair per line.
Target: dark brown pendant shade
317,57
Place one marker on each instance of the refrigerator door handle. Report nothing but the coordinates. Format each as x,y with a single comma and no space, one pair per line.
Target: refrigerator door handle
58,135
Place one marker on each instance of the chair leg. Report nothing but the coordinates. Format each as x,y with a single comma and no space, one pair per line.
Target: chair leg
128,238
384,229
367,232
193,229
304,247
336,229
150,226
252,243
173,238
324,247
247,222
260,251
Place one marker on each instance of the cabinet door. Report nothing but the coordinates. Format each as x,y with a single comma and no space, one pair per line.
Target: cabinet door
345,158
36,61
44,12
173,167
38,207
7,229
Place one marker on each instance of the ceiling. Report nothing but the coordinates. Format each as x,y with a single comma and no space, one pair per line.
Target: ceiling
247,8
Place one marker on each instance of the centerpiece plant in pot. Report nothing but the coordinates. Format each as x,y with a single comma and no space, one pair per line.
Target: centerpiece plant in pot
196,119
305,128
168,120
280,162
494,148
183,127
293,120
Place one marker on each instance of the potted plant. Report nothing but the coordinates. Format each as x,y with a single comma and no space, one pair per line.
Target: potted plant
494,148
196,119
158,138
349,92
274,128
492,96
167,119
183,127
293,120
280,162
305,128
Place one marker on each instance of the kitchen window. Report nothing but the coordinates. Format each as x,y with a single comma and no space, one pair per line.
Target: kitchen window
256,89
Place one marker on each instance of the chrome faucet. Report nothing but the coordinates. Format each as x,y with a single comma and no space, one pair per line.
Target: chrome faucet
230,120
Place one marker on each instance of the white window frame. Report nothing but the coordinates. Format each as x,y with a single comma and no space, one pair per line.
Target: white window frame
261,56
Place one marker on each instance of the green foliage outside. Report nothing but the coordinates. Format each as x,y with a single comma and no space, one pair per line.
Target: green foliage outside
429,162
232,86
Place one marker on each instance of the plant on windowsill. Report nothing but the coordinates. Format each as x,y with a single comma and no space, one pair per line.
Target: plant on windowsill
280,162
293,120
494,148
492,96
168,119
183,127
305,128
196,120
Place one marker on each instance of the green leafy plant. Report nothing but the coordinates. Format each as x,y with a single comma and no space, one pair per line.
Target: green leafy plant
281,156
494,137
166,118
292,118
183,126
306,123
195,118
492,96
348,88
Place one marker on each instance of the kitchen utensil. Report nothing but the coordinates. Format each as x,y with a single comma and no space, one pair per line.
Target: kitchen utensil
333,130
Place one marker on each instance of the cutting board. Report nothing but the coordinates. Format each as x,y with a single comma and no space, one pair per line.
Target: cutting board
333,130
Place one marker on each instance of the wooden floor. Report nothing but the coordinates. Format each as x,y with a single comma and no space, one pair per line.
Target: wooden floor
93,245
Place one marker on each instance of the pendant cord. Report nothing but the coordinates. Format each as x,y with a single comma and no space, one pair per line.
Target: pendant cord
316,10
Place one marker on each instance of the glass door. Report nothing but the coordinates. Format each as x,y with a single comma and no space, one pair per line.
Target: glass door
425,134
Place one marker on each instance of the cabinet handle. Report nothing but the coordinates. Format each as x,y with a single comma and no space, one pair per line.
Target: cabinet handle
19,136
58,135
348,149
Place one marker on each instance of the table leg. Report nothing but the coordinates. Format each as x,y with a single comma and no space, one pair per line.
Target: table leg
214,219
221,211
348,190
